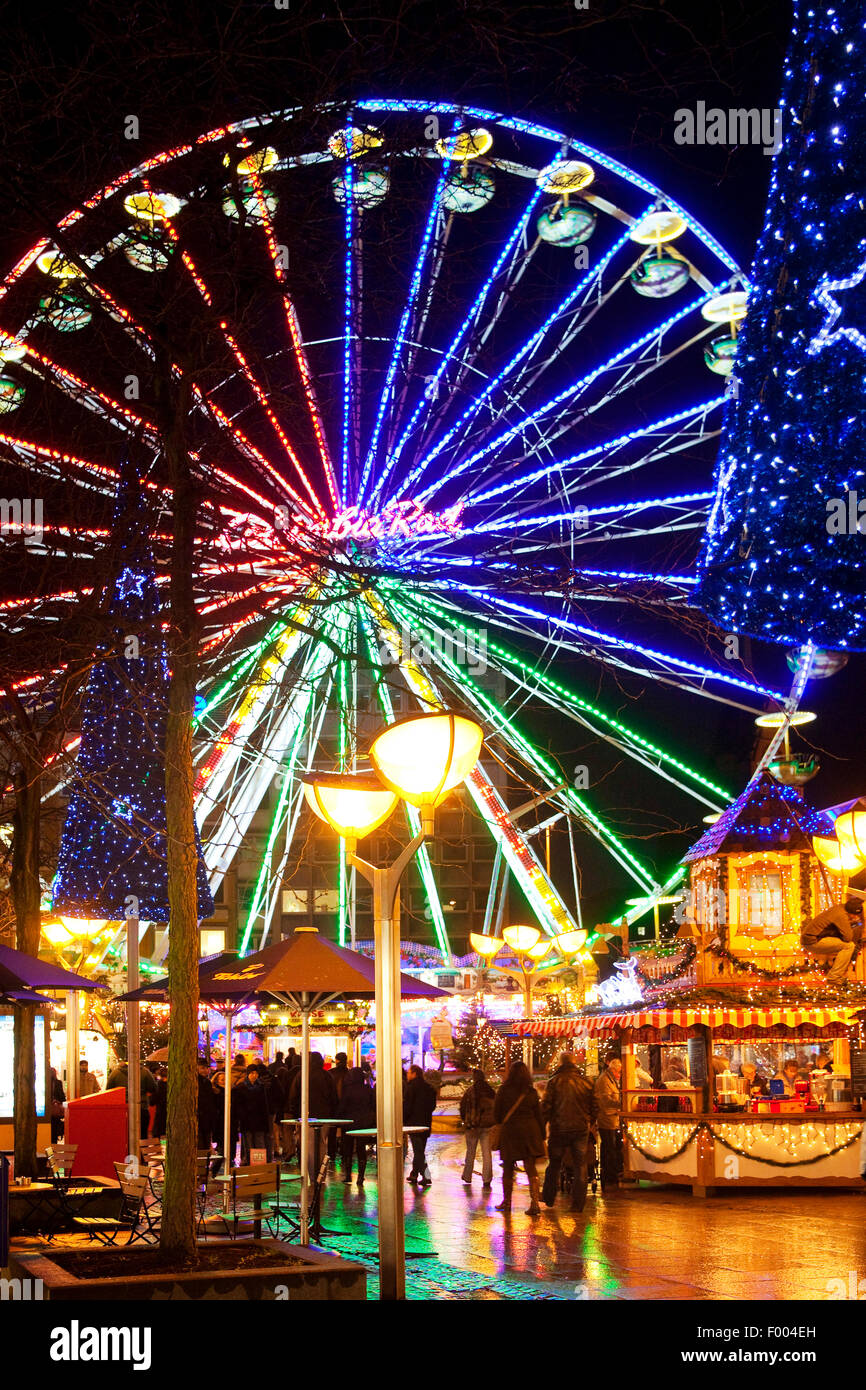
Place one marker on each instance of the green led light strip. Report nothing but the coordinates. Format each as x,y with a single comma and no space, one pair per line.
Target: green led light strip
535,757
338,622
423,857
572,698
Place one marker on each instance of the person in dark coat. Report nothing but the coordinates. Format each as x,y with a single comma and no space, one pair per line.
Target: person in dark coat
254,1115
518,1110
358,1105
476,1115
323,1099
570,1109
419,1102
338,1074
58,1100
207,1109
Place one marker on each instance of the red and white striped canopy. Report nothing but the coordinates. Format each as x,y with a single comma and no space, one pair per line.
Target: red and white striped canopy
710,1016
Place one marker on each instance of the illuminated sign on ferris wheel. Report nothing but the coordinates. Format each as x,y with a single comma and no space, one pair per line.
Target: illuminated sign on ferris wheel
406,518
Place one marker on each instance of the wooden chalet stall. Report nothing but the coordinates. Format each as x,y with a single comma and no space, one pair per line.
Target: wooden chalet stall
735,990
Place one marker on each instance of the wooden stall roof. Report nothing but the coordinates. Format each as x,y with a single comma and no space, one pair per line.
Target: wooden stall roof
766,816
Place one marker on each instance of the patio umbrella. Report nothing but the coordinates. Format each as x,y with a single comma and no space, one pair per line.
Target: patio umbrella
18,971
305,971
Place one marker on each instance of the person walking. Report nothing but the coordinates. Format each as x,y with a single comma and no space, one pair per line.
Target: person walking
87,1082
569,1109
609,1102
58,1101
419,1102
254,1115
521,1139
207,1109
120,1077
358,1105
476,1114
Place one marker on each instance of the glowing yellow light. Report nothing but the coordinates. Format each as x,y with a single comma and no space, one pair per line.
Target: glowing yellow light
258,162
352,806
659,226
353,141
540,949
726,308
568,176
521,938
56,933
839,858
152,207
10,351
424,757
568,942
486,946
851,831
54,263
777,719
466,144
84,926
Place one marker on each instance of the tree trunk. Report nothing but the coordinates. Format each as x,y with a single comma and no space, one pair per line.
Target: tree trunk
178,1218
26,894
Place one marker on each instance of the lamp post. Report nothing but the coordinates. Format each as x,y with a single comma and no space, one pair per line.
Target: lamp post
418,760
529,949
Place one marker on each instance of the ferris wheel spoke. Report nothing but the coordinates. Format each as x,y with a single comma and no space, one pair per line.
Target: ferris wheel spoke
431,392
524,355
569,393
400,341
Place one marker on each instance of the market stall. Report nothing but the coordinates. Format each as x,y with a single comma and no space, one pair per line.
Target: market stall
742,1066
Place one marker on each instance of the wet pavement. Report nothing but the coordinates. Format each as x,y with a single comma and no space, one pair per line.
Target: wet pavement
644,1242
637,1243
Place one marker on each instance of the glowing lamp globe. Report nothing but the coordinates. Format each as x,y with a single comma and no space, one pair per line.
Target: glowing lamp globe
540,949
851,829
569,942
521,938
352,806
486,946
836,856
424,757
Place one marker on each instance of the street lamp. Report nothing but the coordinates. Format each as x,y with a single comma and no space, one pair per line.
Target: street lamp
418,760
529,949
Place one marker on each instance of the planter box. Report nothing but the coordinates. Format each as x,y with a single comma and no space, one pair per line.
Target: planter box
275,1272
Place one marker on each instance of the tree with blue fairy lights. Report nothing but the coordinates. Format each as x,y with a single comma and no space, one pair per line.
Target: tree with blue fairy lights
112,861
784,555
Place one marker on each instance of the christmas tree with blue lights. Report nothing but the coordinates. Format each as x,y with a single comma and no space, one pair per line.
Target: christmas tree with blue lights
112,862
784,556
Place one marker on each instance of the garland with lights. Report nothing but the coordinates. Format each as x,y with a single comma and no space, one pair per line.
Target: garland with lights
778,559
743,967
706,1127
676,972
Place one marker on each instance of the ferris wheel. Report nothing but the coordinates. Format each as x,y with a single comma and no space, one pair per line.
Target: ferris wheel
454,384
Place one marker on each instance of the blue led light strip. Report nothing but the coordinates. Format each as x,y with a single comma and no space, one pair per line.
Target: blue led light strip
625,508
507,435
414,290
472,410
558,139
606,638
348,302
428,394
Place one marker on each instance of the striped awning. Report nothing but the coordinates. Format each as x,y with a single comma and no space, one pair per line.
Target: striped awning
710,1016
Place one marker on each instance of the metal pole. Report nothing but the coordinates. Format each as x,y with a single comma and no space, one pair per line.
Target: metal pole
305,1118
389,1088
228,1015
72,1045
527,1009
133,1041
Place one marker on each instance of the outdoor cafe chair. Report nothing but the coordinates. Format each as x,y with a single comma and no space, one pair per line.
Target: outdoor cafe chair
107,1229
247,1188
61,1161
152,1206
